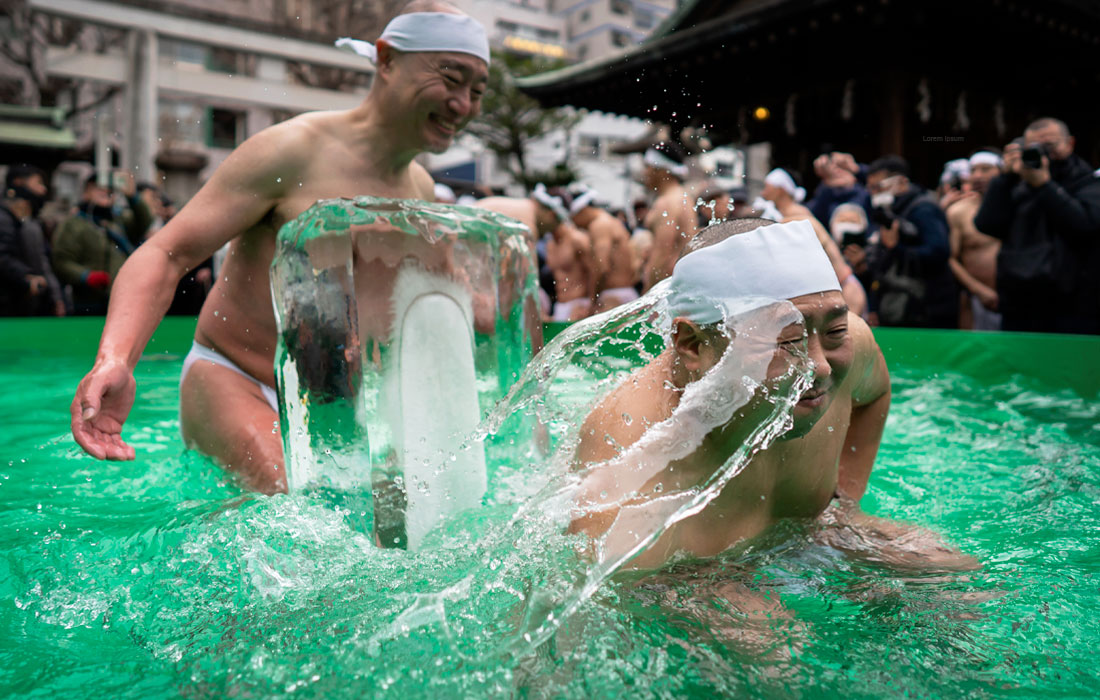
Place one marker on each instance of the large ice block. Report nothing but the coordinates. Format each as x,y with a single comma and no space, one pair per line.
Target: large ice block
400,324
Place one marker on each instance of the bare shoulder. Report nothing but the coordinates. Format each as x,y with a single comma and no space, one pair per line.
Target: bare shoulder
423,181
616,422
963,211
869,377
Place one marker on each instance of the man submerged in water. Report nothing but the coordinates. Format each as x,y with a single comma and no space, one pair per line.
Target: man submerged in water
837,423
431,70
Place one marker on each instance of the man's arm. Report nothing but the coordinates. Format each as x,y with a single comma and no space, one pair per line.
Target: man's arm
601,256
870,406
994,217
956,222
666,240
240,193
1076,216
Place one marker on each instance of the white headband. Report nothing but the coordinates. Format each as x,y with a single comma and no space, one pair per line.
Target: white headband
959,166
582,200
782,179
427,31
552,203
660,160
780,261
986,158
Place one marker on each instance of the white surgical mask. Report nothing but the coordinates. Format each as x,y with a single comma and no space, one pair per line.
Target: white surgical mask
843,227
882,200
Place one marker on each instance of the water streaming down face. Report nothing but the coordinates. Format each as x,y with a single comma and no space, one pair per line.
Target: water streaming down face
340,420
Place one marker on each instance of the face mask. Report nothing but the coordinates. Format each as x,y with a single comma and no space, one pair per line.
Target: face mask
99,213
841,228
882,200
35,200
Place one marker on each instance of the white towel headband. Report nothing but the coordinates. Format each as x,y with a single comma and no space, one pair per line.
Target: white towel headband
780,261
582,200
782,179
549,201
986,158
427,31
660,160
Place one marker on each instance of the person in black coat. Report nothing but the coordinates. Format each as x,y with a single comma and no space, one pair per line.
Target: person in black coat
1045,209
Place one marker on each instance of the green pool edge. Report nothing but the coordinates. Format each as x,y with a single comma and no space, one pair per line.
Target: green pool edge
1057,361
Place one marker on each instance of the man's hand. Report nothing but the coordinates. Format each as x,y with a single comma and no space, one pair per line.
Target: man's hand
1012,159
36,284
856,257
102,402
845,161
988,298
59,308
891,235
1036,177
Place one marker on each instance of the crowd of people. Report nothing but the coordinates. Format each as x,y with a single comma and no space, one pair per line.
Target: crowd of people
59,258
1006,240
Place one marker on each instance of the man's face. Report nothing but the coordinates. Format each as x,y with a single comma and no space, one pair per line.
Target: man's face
847,216
34,184
883,181
97,196
828,344
1059,146
440,92
981,175
771,192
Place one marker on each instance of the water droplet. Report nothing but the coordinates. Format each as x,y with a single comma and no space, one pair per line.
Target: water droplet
831,428
278,179
627,419
658,487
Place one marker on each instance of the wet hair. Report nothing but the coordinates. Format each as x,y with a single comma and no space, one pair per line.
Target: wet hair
892,164
716,233
563,194
1044,122
21,171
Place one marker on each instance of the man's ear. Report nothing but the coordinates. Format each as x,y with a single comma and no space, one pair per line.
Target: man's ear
386,56
687,340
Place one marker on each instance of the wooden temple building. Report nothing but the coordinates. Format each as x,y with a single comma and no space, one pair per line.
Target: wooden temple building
930,80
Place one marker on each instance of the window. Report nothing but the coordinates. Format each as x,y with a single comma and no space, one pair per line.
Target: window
225,128
621,39
588,145
644,19
585,16
180,122
582,52
547,34
506,26
620,7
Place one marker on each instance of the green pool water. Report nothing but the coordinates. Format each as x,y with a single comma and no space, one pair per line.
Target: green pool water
161,578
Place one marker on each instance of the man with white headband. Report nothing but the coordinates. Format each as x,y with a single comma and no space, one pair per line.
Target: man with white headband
671,218
569,250
431,67
612,255
974,254
782,192
828,451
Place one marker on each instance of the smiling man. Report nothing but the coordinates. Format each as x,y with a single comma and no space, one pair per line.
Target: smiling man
431,69
826,453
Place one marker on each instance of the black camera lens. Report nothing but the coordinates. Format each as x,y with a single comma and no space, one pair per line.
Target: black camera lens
1032,155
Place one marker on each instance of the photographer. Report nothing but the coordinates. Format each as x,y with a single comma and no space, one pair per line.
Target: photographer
914,285
1045,209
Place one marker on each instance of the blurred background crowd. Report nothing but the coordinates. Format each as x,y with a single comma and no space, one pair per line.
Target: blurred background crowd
1006,239
113,113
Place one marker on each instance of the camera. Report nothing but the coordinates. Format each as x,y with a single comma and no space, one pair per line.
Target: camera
1032,155
882,216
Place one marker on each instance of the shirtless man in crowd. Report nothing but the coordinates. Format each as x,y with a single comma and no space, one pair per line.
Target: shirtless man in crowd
826,454
974,254
431,71
671,218
569,255
612,254
780,189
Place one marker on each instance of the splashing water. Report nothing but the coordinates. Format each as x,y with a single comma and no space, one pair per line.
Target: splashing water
159,578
